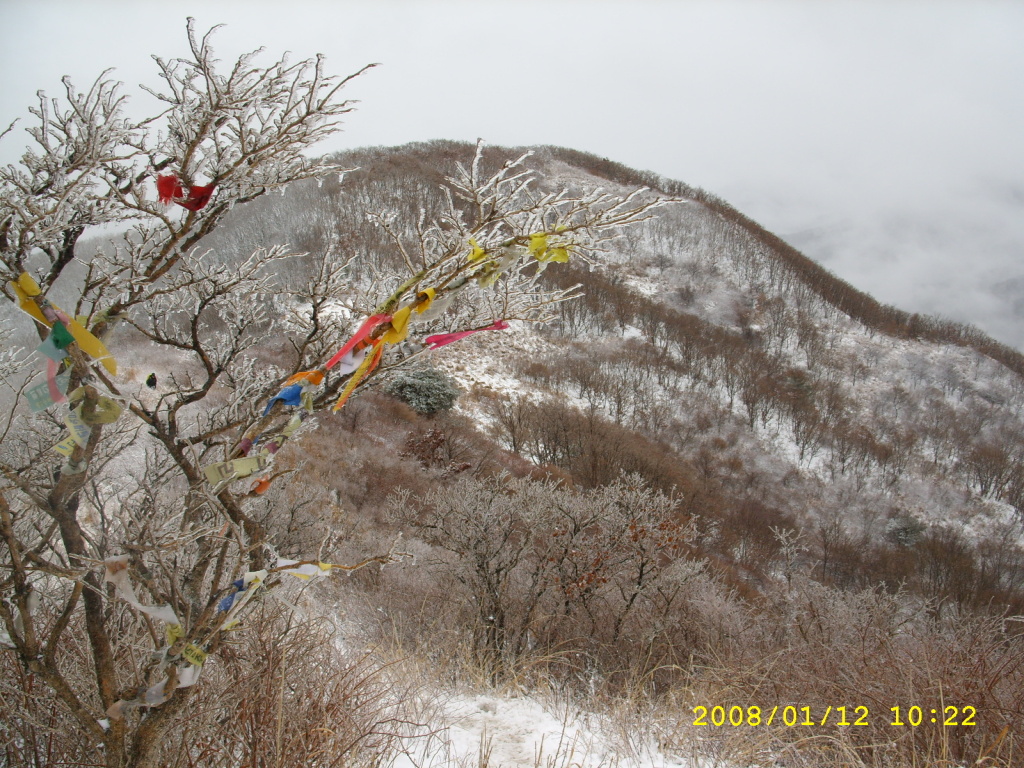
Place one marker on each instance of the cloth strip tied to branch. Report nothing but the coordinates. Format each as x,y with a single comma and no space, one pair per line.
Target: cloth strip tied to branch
170,190
37,306
443,339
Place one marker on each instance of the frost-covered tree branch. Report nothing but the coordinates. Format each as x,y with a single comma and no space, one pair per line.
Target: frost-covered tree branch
128,503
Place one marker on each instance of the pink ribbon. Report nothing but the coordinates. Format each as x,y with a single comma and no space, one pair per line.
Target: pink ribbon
364,330
441,339
51,380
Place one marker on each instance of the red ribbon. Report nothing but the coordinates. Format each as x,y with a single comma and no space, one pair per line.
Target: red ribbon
198,197
441,339
364,330
169,188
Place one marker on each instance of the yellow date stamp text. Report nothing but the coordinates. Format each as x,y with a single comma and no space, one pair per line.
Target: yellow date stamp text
840,716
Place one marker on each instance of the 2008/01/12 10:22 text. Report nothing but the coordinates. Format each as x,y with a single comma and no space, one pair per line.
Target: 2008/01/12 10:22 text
790,715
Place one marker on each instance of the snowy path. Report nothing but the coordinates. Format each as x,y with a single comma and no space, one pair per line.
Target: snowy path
487,731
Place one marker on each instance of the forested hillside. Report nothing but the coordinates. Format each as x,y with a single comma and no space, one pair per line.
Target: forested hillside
718,477
708,357
744,475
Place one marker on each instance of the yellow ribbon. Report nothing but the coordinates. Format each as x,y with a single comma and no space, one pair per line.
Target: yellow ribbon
92,346
25,288
65,447
538,245
399,326
424,299
104,410
487,279
477,253
193,654
293,424
369,362
173,632
79,429
540,250
236,469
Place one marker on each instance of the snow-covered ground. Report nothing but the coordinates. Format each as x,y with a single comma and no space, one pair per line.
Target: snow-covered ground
492,731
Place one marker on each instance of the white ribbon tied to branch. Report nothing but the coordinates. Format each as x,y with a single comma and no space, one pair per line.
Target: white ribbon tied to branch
117,574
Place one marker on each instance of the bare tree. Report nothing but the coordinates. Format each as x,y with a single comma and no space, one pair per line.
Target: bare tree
126,515
541,563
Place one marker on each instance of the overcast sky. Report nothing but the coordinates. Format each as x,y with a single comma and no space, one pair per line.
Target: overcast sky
886,139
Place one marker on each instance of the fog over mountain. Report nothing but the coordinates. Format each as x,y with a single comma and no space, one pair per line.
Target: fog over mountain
966,266
882,138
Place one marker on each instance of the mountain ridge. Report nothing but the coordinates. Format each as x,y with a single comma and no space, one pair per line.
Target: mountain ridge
858,304
699,477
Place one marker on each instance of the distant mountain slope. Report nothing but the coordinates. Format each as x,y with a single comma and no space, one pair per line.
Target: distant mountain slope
857,304
845,481
714,358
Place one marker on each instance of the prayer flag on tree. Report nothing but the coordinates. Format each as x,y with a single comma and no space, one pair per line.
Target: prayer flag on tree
32,302
51,350
543,253
368,364
424,299
477,252
62,338
316,378
364,330
442,339
26,289
289,396
233,470
303,571
197,199
65,447
98,410
92,346
169,190
116,572
80,431
42,396
399,326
